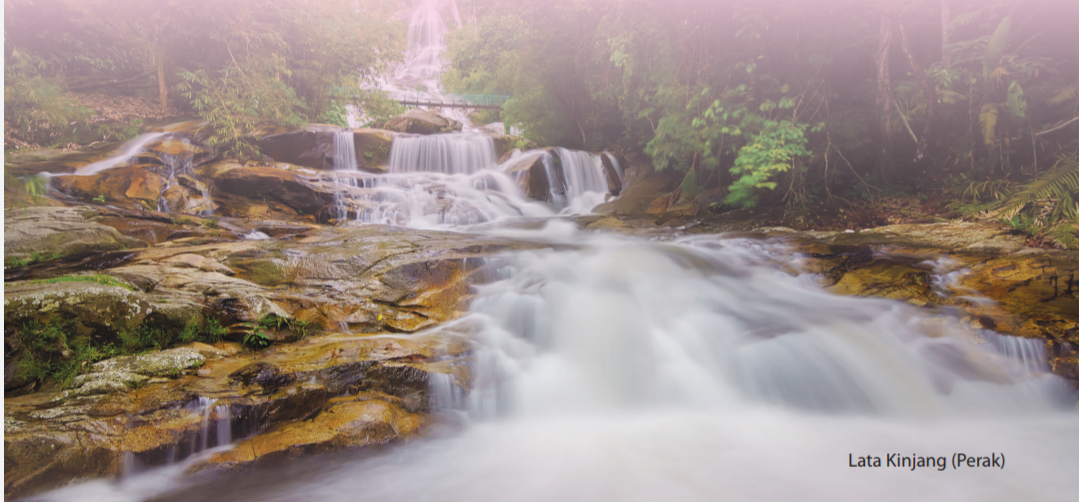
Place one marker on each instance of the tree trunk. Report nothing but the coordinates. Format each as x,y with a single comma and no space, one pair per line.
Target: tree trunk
884,93
945,21
928,89
162,89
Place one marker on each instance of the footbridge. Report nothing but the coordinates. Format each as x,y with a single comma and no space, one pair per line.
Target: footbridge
474,101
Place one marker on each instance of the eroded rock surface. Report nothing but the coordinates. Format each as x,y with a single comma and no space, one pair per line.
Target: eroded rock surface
54,232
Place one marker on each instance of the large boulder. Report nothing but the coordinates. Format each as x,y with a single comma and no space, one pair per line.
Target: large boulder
531,174
311,146
373,149
293,186
417,121
39,233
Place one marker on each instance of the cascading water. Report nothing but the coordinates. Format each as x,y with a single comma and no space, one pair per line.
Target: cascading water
127,151
444,180
459,153
612,368
344,151
585,182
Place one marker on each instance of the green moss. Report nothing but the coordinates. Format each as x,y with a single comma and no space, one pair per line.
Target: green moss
35,257
107,280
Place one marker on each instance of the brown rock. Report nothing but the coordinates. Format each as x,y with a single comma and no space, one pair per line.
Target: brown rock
417,121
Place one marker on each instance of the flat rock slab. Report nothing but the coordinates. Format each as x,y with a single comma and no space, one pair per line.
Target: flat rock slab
54,232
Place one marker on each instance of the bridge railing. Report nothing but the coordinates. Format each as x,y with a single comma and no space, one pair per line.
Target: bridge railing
478,99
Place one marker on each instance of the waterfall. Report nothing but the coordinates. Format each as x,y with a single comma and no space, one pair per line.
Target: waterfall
455,153
583,172
127,151
344,151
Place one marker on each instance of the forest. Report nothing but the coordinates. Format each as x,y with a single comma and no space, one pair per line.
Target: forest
777,102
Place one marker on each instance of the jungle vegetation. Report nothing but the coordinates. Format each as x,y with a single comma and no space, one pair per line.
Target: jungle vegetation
236,64
764,102
790,102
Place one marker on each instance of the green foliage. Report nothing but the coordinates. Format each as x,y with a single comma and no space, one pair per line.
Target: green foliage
272,321
256,339
37,107
772,151
213,331
238,100
335,114
1047,205
33,187
49,352
121,133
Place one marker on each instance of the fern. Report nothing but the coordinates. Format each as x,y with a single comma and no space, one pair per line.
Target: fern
1060,183
1048,205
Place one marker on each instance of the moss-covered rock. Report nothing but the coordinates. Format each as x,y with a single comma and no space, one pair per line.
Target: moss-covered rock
154,364
50,232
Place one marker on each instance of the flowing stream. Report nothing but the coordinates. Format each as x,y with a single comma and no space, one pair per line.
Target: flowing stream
611,368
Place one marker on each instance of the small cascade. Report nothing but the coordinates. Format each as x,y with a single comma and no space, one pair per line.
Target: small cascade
1027,354
445,394
344,151
215,430
556,182
427,200
617,166
127,151
455,153
583,172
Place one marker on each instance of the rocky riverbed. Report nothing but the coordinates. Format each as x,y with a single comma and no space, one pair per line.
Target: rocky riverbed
253,314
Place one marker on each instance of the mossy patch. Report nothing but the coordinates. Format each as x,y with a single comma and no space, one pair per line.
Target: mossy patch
107,280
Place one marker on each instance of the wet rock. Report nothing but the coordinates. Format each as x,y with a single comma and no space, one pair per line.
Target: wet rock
362,420
1037,295
417,121
145,186
883,279
107,382
373,149
57,161
160,364
310,147
951,235
87,307
292,186
531,175
54,232
614,180
645,196
199,262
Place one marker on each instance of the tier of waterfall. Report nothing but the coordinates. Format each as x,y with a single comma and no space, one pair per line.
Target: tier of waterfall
455,153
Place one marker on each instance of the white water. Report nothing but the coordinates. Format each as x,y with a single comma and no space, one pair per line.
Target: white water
344,151
455,153
127,151
615,369
585,182
623,370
